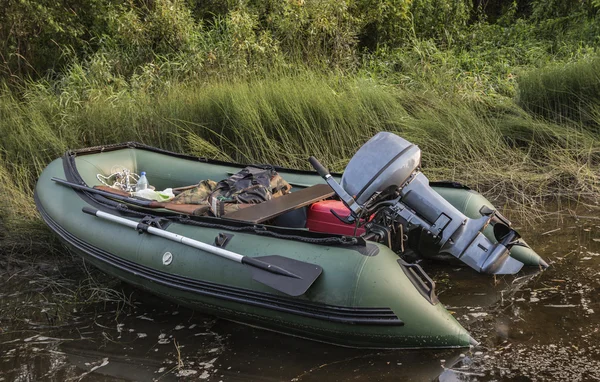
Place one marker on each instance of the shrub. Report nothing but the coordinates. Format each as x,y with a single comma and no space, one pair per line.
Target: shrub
395,22
41,35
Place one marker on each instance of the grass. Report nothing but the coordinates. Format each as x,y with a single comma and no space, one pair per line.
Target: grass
495,147
48,292
496,107
564,92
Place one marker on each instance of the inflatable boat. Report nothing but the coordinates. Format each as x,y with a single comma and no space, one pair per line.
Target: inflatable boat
324,262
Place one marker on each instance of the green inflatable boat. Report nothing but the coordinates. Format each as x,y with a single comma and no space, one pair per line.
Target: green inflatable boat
274,265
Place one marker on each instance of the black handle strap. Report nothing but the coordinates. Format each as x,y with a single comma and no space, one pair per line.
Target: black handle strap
318,166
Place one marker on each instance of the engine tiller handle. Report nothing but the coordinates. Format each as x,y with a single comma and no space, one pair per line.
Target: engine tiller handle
318,166
347,199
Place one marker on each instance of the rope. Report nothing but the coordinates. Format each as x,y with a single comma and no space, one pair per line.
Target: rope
124,180
261,230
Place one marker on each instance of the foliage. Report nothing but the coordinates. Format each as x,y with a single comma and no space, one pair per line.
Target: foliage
551,9
147,41
39,35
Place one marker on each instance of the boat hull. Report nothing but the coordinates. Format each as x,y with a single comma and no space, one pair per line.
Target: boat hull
364,298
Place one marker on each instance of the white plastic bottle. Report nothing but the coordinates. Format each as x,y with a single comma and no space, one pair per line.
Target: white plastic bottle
142,183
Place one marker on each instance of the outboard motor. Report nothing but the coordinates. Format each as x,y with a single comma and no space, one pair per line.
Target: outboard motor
384,177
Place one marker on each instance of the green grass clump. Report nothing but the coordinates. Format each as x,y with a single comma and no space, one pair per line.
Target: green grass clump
563,92
21,229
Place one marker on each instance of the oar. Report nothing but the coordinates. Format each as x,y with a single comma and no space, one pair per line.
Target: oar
287,275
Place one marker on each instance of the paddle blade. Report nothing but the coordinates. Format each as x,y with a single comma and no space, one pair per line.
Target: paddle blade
307,274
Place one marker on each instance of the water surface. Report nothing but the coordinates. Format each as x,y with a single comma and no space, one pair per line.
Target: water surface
532,326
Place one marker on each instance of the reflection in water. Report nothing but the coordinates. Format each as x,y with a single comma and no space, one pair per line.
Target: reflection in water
541,326
160,341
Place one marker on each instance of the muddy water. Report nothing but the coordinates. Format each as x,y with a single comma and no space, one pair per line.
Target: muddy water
535,326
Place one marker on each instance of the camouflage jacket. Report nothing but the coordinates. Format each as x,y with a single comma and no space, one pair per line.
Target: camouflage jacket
251,185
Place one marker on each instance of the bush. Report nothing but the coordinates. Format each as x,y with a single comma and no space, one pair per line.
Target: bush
44,35
395,23
555,9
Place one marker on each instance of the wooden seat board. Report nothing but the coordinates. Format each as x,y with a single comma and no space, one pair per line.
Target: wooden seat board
262,212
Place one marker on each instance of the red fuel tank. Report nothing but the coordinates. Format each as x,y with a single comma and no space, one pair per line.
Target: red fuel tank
320,218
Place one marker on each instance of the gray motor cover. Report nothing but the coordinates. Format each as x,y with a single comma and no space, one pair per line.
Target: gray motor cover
385,160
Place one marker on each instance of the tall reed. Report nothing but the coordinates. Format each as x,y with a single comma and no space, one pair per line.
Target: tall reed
563,92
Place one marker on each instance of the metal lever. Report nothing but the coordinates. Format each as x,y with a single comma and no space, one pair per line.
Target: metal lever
348,200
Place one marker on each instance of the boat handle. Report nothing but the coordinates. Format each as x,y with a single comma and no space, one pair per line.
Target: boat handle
421,280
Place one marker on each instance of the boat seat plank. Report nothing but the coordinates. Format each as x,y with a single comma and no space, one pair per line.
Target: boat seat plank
262,212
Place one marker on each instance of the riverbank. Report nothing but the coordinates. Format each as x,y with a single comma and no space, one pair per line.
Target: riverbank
495,147
503,99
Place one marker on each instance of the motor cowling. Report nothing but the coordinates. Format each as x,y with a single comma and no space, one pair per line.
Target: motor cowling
388,166
386,161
